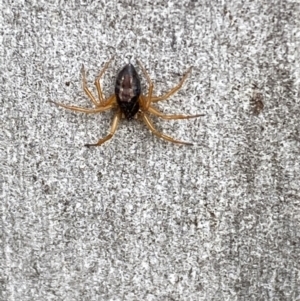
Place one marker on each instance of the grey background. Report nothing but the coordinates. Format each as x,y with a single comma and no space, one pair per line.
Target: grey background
140,218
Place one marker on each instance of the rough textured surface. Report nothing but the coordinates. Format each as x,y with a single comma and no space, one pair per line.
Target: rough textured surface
140,218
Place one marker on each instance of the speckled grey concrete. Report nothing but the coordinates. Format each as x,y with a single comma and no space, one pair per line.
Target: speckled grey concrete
140,218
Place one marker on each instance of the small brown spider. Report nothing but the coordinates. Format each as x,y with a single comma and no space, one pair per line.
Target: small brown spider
129,101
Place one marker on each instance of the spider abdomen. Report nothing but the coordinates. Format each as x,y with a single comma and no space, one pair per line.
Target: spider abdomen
128,90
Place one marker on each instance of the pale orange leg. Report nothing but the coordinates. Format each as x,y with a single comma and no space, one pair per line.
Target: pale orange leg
164,116
110,100
85,110
86,89
159,134
172,91
149,96
112,130
97,83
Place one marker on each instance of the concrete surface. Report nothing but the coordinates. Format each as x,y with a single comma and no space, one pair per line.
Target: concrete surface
140,218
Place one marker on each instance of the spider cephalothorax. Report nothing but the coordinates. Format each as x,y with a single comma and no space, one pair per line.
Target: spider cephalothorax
129,101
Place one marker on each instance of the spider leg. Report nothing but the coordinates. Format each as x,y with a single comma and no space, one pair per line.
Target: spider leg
149,96
173,90
98,85
86,89
84,110
164,116
110,100
113,129
159,134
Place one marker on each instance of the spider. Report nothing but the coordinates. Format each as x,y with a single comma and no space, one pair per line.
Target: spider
128,101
